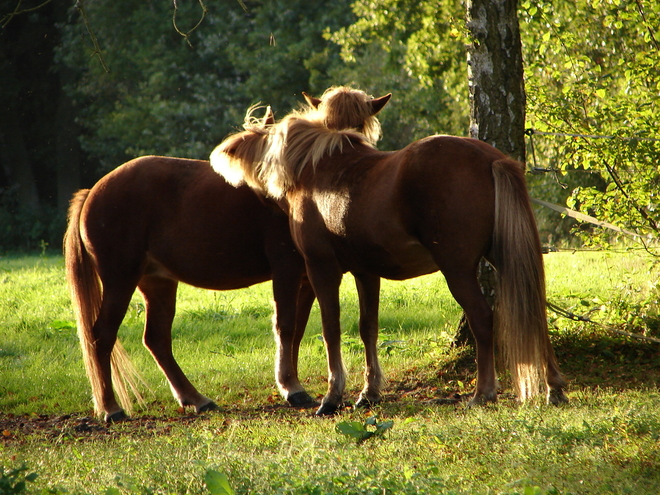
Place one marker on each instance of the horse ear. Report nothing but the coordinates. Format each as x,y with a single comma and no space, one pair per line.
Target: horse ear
269,118
377,104
313,102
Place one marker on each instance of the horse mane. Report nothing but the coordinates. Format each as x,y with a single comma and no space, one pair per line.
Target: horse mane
343,107
271,158
296,143
237,158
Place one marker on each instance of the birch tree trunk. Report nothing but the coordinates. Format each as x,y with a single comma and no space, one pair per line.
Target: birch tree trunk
497,95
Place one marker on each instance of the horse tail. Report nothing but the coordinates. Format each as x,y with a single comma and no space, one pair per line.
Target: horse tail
520,308
86,296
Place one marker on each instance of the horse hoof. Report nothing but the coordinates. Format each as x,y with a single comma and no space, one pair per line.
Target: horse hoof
482,400
326,410
557,397
301,399
364,403
211,406
116,417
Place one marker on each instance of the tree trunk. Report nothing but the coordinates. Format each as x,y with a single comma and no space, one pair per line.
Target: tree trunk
497,95
495,76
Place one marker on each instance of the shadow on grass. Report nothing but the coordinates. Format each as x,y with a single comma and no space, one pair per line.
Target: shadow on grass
587,360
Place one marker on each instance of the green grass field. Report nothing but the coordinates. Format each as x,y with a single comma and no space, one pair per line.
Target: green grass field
607,440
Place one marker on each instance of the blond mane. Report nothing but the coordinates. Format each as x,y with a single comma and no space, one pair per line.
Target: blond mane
343,107
238,156
272,158
296,143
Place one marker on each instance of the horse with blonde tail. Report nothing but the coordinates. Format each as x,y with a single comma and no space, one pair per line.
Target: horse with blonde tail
441,203
154,222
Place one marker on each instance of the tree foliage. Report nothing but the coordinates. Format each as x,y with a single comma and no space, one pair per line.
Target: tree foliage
166,94
592,69
415,49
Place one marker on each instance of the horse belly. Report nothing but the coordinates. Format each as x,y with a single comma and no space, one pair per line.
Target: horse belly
213,261
401,260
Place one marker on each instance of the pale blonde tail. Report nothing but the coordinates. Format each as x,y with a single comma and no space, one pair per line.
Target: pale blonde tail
520,310
85,289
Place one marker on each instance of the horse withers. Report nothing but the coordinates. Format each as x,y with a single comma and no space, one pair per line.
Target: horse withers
154,222
441,203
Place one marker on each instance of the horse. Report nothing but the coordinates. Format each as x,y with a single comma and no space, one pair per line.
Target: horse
154,222
441,203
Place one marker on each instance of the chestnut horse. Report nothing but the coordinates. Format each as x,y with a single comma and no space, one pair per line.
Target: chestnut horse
441,203
154,222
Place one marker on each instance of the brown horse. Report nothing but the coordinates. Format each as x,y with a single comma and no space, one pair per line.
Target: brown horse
154,222
441,203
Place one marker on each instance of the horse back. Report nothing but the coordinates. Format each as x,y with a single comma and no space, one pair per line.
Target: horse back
397,213
178,218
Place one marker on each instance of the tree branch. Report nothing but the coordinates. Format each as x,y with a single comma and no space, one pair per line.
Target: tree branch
95,42
6,19
186,35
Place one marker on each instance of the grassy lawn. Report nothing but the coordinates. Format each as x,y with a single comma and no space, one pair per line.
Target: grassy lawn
607,440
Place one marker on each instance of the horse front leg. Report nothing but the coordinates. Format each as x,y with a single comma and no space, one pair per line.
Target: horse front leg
326,278
293,302
368,287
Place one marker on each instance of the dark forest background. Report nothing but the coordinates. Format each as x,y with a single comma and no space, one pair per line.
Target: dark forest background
87,85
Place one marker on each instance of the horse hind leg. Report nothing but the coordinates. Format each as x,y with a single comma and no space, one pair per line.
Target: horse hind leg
160,301
554,379
467,292
104,337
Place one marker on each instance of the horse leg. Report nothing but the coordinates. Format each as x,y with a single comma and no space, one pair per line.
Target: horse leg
465,289
160,300
555,380
293,302
368,287
104,333
326,279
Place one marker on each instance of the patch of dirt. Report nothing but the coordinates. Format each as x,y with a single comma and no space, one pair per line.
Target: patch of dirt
79,427
20,428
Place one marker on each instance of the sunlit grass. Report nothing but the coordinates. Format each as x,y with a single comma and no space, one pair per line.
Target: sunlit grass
607,440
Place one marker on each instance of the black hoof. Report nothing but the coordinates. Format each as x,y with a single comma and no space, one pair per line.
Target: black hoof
482,400
211,406
557,397
116,417
301,399
326,410
364,403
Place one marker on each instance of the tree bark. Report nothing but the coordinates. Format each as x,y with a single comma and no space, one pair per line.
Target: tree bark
495,76
497,97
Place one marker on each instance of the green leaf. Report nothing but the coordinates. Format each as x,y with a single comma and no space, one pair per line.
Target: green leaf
353,429
217,483
383,427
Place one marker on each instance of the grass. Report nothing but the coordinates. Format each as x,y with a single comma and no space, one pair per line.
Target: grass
607,440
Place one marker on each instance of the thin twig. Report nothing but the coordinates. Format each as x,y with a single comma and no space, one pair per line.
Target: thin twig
6,19
640,9
95,42
186,35
572,316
